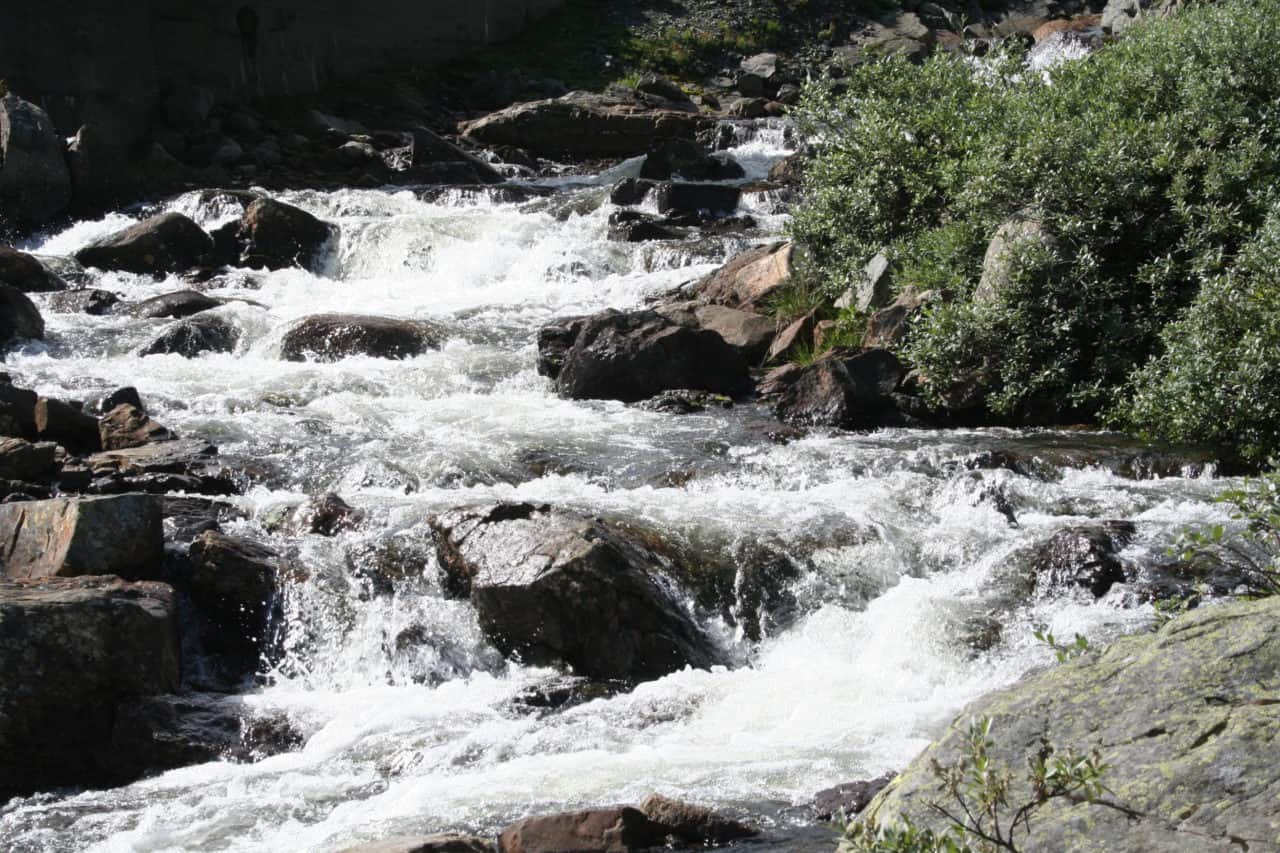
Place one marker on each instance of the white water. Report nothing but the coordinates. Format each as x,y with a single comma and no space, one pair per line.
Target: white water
408,739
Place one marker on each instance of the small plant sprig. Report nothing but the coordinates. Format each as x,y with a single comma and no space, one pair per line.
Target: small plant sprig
1064,651
1255,548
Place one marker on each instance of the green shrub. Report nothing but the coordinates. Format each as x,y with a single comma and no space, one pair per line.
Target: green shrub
1151,162
1255,549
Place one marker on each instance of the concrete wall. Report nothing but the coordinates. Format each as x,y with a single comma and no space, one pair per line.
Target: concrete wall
108,61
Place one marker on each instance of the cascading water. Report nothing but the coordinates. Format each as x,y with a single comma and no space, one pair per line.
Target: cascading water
411,722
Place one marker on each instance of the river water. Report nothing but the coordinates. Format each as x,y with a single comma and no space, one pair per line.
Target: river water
411,722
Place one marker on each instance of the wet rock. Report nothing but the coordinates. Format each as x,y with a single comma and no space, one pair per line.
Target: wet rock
159,733
849,799
849,393
35,183
1169,711
631,191
183,303
1086,556
191,338
333,337
183,465
642,231
23,461
707,199
687,160
686,402
121,396
442,843
127,426
634,356
750,278
162,244
277,236
564,692
74,648
326,515
185,517
67,537
19,318
694,824
67,425
23,272
232,583
617,830
554,342
558,588
582,125
87,301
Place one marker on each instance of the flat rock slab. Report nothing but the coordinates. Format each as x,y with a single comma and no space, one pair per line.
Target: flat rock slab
66,537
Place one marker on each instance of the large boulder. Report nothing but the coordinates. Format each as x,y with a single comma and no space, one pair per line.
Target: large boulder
556,588
845,392
67,537
19,318
633,356
745,331
750,278
26,462
706,200
232,581
184,465
687,160
1086,557
1185,719
73,650
35,183
695,825
333,337
182,303
616,830
191,338
1023,246
21,271
63,423
582,125
170,242
274,235
431,149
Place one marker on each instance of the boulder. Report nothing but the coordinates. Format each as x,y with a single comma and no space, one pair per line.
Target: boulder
191,338
183,303
874,288
642,231
749,107
633,356
87,301
187,517
750,278
73,650
23,272
127,426
1185,720
162,244
630,191
692,824
888,327
429,148
792,340
554,342
19,318
762,65
1083,557
687,160
685,402
1021,247
127,394
789,170
849,799
616,830
232,583
35,183
333,337
17,410
67,537
705,199
582,125
443,843
556,588
274,235
653,84
67,425
849,393
26,462
326,515
747,332
185,465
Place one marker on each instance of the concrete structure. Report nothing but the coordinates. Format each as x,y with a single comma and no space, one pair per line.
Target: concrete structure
110,61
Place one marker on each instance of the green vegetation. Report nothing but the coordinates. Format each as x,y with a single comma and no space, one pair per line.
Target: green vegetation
975,801
1255,549
1064,651
1150,298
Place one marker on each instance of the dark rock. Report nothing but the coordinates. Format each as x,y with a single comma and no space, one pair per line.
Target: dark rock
681,158
126,426
630,191
652,84
713,199
430,148
750,278
277,236
327,515
183,303
35,183
66,537
617,830
694,824
192,337
888,327
232,583
642,231
1085,557
74,648
554,342
185,517
848,393
442,843
182,465
23,272
749,107
582,125
88,301
332,337
797,336
64,424
788,170
634,356
849,799
122,396
746,331
159,733
23,461
19,318
554,587
166,243
17,411
686,402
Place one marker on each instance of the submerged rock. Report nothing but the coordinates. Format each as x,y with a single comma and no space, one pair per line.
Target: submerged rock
65,537
554,587
687,160
73,650
86,301
1185,719
1086,556
332,337
162,244
277,236
194,337
181,304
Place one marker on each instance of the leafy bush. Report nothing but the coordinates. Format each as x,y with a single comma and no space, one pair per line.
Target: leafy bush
1151,164
1254,550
